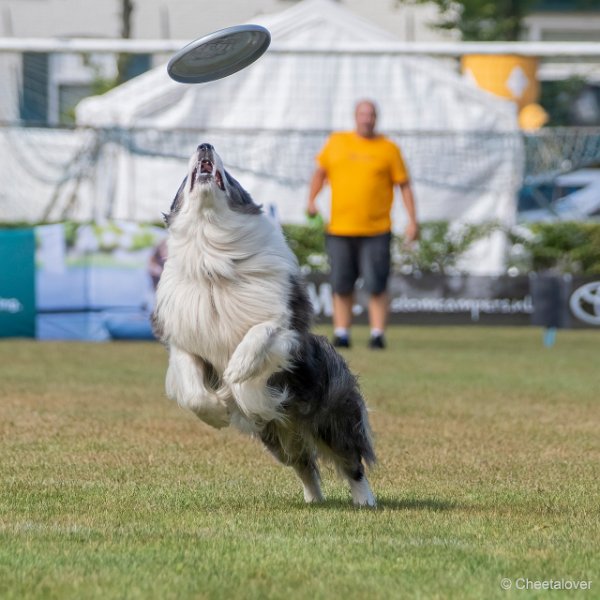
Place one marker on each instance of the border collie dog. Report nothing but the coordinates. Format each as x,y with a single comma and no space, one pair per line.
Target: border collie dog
235,317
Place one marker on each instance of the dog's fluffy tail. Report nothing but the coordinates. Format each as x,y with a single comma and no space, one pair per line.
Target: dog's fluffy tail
348,427
365,442
347,431
324,395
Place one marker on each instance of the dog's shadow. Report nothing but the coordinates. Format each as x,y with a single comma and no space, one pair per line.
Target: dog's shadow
421,504
386,503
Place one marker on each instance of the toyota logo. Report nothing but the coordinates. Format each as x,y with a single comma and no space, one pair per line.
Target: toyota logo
585,303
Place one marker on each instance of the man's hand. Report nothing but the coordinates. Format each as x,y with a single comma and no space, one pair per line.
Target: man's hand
411,233
311,209
316,185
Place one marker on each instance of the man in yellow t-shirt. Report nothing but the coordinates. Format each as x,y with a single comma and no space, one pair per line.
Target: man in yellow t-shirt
362,168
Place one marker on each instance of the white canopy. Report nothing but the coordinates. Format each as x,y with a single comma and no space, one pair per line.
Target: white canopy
268,121
305,82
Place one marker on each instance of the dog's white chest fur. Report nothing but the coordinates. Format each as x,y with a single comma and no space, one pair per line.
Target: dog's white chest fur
220,280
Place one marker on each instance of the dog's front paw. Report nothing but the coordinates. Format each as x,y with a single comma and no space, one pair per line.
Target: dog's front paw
264,347
241,368
215,414
213,419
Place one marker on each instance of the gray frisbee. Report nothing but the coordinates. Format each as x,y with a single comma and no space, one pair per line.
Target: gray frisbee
219,54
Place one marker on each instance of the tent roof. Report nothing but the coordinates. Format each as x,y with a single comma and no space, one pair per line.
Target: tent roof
322,20
308,91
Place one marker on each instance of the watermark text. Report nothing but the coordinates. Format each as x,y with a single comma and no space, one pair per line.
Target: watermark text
524,583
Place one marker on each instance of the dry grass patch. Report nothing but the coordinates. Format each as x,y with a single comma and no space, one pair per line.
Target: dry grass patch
489,454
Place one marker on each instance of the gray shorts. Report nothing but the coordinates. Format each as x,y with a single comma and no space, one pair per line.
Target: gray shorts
354,256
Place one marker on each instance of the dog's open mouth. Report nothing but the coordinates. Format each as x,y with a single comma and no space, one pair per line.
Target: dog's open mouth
205,171
206,166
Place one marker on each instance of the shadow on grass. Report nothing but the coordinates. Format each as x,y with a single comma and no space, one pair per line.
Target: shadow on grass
433,504
386,503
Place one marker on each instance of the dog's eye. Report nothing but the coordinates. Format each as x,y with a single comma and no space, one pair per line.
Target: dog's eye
177,202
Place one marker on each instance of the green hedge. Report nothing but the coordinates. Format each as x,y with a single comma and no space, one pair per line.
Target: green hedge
439,248
308,244
565,247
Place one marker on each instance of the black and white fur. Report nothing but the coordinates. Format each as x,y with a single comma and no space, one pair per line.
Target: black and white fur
235,317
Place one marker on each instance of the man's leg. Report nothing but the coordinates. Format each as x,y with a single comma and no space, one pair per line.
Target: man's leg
375,263
342,310
343,262
378,311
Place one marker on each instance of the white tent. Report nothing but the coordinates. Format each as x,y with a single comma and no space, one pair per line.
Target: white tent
268,122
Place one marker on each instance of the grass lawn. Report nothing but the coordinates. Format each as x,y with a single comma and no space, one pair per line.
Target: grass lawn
489,468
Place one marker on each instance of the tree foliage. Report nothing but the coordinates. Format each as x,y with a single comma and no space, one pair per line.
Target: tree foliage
124,60
481,20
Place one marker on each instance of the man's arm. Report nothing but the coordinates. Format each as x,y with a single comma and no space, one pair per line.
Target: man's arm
412,229
316,185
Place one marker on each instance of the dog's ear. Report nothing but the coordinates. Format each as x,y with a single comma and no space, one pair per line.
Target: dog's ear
239,199
176,204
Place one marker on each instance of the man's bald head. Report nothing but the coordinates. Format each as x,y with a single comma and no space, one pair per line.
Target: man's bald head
365,116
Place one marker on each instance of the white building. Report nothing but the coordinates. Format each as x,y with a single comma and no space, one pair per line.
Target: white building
189,19
42,87
561,21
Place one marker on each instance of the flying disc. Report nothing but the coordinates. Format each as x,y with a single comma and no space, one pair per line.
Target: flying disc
219,54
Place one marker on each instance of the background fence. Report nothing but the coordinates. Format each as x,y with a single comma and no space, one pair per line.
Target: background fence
56,173
52,170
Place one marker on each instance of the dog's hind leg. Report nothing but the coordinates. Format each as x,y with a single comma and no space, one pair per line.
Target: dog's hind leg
296,455
346,440
359,485
311,481
353,471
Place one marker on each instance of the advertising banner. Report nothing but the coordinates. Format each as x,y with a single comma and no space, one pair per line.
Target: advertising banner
97,281
434,299
17,283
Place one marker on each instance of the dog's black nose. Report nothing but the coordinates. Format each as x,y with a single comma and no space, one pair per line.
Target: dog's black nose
205,148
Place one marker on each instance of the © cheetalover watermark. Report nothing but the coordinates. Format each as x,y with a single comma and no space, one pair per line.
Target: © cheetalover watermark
524,583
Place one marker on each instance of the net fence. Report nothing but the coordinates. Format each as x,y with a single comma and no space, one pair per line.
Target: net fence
50,173
51,169
555,151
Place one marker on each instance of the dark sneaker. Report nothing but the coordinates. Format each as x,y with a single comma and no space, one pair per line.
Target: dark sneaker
377,342
341,342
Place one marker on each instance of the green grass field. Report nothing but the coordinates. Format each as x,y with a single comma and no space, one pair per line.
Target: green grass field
489,454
